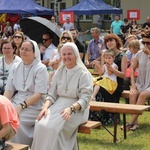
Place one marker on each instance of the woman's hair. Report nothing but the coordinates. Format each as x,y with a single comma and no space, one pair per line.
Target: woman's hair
60,45
134,44
17,52
69,35
109,53
21,33
115,37
7,41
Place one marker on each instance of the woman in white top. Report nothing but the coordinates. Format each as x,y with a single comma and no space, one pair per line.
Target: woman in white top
6,61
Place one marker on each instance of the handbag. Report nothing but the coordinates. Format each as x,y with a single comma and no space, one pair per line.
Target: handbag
2,89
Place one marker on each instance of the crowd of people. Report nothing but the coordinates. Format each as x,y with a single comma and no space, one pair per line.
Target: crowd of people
47,88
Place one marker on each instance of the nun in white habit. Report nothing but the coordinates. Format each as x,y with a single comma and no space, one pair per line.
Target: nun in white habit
66,105
30,79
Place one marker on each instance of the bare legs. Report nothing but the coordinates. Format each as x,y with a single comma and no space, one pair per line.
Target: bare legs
140,97
96,90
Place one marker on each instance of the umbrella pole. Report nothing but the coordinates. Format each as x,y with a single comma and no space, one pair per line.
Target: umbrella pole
56,10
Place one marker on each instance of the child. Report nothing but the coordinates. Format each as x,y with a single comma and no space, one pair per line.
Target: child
9,121
42,49
55,61
108,80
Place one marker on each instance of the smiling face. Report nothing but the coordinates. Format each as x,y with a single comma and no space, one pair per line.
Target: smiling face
68,57
111,44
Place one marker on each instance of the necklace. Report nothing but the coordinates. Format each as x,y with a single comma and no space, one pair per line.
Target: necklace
25,79
68,80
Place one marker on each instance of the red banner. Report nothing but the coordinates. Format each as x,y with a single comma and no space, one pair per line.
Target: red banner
64,15
133,14
12,17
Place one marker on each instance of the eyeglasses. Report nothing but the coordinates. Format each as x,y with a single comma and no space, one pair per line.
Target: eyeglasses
144,42
25,50
45,39
19,37
68,38
6,48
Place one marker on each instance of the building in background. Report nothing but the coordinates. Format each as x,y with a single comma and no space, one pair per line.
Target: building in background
142,5
88,21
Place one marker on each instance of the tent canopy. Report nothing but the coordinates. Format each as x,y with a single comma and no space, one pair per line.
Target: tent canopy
92,7
23,7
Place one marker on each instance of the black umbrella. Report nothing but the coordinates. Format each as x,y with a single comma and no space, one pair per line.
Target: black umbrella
34,27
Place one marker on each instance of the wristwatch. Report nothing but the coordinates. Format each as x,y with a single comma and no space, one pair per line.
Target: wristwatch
23,106
72,109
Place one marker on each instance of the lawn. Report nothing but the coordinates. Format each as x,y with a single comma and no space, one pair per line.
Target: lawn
100,139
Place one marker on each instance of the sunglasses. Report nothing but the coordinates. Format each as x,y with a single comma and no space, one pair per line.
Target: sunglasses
19,37
68,38
147,43
45,39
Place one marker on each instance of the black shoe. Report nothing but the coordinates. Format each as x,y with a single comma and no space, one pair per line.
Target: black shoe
2,144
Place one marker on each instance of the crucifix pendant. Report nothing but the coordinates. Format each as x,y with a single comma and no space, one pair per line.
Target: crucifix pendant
24,85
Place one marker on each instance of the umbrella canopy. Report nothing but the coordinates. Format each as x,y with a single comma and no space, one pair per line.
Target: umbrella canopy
93,7
34,27
23,7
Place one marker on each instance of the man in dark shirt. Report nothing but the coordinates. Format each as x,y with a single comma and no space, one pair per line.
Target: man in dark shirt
147,23
80,46
125,30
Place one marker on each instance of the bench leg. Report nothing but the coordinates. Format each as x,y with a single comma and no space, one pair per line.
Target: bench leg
124,124
115,127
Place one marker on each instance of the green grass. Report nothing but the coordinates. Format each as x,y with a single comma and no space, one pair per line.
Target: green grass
100,139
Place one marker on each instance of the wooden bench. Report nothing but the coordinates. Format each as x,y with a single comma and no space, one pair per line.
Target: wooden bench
16,146
118,108
87,127
125,94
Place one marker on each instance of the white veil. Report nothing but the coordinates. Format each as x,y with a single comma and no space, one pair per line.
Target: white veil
37,51
76,51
